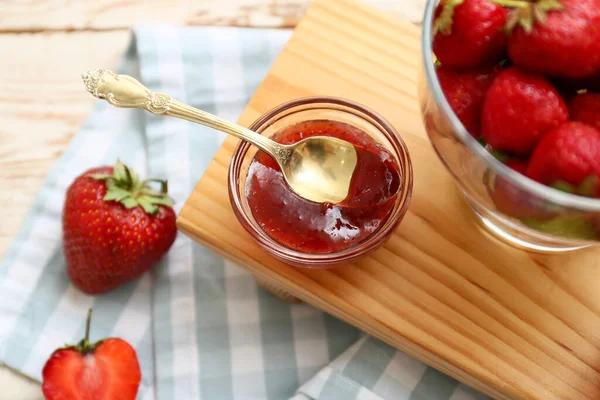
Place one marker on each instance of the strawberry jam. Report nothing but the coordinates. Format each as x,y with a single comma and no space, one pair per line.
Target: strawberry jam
311,227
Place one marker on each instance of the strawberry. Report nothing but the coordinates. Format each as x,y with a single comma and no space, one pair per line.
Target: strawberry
534,212
512,200
465,91
114,228
518,165
519,108
568,158
106,370
555,37
585,107
469,33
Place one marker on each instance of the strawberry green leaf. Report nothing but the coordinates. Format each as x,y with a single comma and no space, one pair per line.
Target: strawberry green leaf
165,201
443,24
129,202
499,155
549,5
147,205
589,186
511,3
100,177
526,19
512,22
125,187
539,14
116,193
164,185
528,13
128,177
135,179
563,186
120,172
154,201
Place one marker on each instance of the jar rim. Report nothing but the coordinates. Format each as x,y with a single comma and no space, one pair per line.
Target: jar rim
305,259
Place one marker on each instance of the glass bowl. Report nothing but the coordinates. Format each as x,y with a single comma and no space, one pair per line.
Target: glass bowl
320,108
514,208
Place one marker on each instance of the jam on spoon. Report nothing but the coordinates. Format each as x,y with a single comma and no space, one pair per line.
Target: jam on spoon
306,226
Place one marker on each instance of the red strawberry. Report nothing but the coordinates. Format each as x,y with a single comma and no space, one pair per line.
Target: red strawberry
568,156
585,107
518,165
465,91
114,228
519,108
512,200
556,38
469,34
106,370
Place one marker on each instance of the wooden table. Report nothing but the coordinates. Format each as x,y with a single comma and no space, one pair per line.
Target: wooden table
46,45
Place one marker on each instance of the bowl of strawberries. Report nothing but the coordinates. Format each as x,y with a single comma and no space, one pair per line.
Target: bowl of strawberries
510,98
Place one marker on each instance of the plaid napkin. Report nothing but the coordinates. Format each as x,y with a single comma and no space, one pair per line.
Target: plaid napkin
202,327
372,370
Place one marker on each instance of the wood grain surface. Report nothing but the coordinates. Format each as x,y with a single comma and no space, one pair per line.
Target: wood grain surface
508,323
102,15
42,105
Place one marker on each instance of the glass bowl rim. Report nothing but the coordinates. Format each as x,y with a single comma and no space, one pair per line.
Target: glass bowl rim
563,199
344,255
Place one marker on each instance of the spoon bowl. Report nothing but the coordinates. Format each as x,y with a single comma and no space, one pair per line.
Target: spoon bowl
318,168
321,167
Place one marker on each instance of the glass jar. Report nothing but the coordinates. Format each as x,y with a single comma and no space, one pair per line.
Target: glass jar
514,208
310,109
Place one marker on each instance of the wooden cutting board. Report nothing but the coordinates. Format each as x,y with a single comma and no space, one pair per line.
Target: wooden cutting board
510,324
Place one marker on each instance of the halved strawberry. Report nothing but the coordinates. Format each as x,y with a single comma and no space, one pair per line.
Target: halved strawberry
106,370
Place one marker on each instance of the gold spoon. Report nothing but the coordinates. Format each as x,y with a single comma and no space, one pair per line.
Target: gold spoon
318,168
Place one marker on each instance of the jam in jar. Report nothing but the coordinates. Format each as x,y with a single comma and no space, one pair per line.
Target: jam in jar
306,226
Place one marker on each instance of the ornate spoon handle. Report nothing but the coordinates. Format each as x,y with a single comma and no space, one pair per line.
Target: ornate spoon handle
127,92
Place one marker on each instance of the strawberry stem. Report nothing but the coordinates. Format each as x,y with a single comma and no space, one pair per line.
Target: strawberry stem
88,322
164,186
84,346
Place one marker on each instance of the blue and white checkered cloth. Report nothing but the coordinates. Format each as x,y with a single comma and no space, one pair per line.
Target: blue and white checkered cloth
202,328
